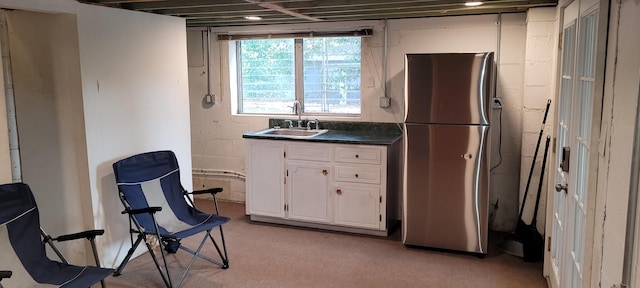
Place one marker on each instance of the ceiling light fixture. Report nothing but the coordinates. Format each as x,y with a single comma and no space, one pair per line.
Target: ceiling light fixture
253,18
472,3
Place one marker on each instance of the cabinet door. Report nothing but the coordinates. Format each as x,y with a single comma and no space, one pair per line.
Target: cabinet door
308,185
265,178
357,205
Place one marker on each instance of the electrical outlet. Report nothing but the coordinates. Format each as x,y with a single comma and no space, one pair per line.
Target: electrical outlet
497,103
209,99
385,102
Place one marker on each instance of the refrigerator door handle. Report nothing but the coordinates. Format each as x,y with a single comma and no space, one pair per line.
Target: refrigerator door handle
477,189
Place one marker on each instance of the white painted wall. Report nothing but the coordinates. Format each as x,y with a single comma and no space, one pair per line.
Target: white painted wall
135,99
621,96
217,142
44,55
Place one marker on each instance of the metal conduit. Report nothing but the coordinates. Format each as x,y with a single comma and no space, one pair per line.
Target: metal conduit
497,67
385,58
632,208
14,147
209,98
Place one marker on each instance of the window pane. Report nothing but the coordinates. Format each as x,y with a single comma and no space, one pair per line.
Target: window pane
332,75
267,76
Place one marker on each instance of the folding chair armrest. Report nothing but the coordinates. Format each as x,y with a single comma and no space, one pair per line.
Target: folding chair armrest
142,210
90,234
5,274
206,191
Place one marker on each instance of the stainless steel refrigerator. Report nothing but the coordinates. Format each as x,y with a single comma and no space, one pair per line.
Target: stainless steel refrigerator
446,153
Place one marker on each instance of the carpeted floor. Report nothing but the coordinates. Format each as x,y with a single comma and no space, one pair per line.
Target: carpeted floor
264,255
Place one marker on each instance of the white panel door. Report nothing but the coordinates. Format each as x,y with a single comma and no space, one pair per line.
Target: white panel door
577,89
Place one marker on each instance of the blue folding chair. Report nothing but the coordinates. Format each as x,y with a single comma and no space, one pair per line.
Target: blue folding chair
22,246
157,204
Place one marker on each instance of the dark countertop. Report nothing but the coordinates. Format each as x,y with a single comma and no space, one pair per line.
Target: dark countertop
343,133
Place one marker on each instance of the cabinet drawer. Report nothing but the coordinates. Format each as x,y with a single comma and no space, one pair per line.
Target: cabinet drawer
358,174
309,152
358,155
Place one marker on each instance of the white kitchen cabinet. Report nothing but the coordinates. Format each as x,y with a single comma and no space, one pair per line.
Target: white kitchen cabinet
265,178
343,187
308,178
308,192
358,205
358,186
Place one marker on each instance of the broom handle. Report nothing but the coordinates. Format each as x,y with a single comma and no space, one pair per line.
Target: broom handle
544,164
533,162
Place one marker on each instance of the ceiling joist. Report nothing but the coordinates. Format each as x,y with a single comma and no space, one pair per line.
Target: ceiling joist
220,13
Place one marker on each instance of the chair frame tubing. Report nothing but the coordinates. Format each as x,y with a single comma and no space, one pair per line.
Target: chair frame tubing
166,277
47,239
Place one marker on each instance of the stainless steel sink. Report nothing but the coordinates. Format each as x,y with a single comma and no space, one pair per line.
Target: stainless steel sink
291,133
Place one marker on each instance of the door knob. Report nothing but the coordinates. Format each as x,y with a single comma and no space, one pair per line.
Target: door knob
560,187
324,172
339,191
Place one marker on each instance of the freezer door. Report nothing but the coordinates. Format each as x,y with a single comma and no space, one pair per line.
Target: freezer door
454,88
446,187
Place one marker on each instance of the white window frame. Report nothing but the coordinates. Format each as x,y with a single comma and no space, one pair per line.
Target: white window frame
234,78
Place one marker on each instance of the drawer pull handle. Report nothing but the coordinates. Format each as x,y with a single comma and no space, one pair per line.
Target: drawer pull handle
356,175
357,156
339,191
324,172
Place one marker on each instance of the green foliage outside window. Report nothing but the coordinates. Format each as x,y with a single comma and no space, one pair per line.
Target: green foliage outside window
330,69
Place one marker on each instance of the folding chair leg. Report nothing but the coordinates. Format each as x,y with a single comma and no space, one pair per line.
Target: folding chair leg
195,254
95,256
166,279
225,259
124,262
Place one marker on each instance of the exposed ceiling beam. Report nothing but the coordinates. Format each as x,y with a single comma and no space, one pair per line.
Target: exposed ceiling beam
280,8
178,4
217,13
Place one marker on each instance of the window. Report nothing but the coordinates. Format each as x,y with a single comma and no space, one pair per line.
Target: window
323,74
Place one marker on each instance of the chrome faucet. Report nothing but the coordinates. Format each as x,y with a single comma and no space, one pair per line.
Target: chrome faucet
296,110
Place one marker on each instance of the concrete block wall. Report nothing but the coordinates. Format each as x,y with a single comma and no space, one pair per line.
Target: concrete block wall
217,142
505,182
539,86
